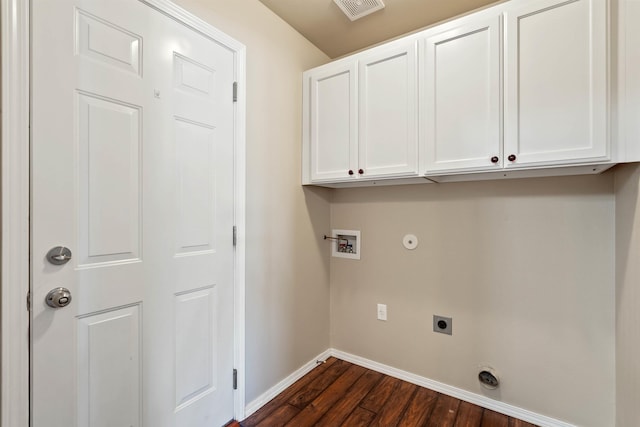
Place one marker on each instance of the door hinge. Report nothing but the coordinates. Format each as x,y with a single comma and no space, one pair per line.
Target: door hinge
235,379
235,235
29,301
235,91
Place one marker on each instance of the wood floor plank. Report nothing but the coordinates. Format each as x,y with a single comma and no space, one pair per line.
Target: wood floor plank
360,417
339,393
444,413
306,395
514,422
377,397
282,398
469,415
494,419
280,416
341,410
324,402
394,407
419,408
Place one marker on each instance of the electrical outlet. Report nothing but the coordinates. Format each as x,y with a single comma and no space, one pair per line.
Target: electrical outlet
382,312
442,324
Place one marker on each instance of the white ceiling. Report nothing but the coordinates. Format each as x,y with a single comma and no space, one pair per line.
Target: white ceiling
324,24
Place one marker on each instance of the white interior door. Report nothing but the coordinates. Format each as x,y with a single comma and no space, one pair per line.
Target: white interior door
132,170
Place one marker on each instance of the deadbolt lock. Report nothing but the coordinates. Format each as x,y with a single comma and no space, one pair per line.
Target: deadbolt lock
59,255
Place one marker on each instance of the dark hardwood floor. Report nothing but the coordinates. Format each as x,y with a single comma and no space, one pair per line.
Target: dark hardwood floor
339,393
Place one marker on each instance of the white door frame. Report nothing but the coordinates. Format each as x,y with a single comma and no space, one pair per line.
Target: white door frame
15,172
15,213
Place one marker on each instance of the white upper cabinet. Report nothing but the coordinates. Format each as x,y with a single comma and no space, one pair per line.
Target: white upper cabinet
360,117
517,89
388,140
461,97
332,122
555,82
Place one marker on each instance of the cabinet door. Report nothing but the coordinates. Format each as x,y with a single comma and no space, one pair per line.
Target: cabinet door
333,123
556,82
388,143
462,98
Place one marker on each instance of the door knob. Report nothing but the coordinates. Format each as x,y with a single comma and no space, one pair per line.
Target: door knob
59,255
58,298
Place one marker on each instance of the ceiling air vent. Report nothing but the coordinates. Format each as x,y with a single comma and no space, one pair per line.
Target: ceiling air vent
356,9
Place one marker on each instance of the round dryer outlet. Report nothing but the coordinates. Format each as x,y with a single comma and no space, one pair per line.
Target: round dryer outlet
488,378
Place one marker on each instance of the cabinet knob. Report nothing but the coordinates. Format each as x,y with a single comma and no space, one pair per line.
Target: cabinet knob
350,172
360,171
494,159
512,157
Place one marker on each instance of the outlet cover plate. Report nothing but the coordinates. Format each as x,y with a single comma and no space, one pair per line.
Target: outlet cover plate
382,311
443,325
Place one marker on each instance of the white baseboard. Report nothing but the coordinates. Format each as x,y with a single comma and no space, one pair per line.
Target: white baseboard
476,399
467,396
265,397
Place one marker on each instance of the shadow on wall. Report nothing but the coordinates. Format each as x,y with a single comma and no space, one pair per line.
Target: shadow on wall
317,200
627,177
508,188
627,186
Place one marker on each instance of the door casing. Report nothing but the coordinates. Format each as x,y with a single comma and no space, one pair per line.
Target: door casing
15,172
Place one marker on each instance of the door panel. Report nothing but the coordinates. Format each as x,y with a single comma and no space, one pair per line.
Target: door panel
194,348
132,160
110,368
105,42
109,139
195,158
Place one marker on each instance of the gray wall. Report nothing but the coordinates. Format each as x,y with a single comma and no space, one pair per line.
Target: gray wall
524,267
287,282
627,186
